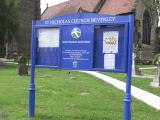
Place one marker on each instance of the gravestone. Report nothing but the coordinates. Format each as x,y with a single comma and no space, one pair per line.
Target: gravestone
156,80
1,62
22,67
135,69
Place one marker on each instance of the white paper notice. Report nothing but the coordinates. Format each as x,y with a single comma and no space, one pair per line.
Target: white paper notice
110,42
48,37
109,61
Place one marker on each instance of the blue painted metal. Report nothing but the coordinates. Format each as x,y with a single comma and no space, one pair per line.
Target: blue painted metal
91,56
98,46
89,18
126,42
60,47
50,54
31,102
66,22
127,98
76,53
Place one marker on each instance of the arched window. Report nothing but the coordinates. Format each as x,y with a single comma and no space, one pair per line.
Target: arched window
146,28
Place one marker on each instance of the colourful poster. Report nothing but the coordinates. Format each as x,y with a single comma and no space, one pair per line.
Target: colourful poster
110,42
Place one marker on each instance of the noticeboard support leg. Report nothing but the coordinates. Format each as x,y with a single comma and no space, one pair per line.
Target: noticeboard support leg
31,98
31,101
127,99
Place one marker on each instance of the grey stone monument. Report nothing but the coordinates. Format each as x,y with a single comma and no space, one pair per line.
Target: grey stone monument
22,67
156,80
1,62
135,70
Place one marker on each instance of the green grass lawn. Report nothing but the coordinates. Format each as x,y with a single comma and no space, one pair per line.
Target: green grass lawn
58,98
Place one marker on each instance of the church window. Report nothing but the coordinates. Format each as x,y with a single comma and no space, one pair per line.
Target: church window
146,28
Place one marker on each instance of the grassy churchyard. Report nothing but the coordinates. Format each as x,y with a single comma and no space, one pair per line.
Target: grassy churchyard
83,97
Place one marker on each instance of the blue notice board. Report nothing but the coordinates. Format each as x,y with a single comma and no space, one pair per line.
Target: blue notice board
83,41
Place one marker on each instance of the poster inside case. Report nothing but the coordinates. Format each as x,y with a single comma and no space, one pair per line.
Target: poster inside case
109,61
48,37
110,42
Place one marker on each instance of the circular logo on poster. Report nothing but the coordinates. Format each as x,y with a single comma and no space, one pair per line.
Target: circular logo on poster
76,33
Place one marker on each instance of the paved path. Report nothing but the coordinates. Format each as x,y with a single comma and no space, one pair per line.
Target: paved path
140,94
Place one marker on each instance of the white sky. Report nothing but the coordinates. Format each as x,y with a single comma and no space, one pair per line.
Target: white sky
50,3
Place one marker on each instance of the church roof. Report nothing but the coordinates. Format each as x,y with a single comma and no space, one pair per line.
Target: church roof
112,7
115,7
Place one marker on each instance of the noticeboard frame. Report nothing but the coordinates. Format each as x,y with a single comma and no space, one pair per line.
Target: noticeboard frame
58,22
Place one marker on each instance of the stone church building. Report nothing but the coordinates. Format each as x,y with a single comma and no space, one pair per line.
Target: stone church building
146,42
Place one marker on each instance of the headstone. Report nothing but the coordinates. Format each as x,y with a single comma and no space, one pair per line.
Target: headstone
1,62
135,70
156,80
22,67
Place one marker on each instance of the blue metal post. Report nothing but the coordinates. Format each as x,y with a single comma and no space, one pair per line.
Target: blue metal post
127,98
31,101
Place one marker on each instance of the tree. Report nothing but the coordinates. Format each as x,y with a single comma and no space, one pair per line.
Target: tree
8,22
12,21
3,18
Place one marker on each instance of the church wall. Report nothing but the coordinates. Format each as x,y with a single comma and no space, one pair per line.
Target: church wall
147,51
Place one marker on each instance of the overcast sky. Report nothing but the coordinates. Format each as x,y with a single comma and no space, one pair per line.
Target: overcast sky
50,3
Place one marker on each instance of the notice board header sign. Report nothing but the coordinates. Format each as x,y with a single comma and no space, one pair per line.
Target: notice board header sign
79,18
